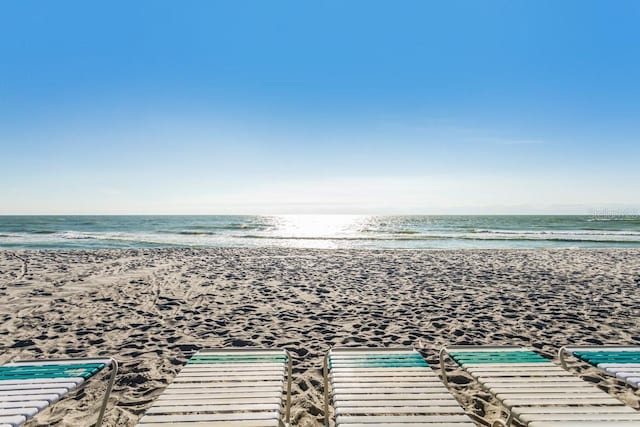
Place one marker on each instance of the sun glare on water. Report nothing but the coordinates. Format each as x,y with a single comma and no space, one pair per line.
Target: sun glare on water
319,226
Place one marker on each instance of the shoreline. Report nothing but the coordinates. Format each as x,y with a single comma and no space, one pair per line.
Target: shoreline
150,307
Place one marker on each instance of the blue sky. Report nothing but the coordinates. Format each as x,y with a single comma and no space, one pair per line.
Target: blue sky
319,107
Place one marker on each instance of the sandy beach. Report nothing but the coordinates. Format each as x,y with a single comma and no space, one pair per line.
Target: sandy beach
152,308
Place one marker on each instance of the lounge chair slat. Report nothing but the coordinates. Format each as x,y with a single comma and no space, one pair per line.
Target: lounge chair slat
373,351
504,365
570,395
211,382
23,363
380,384
249,353
535,380
27,411
389,391
28,391
207,388
624,371
351,375
427,410
35,386
385,378
516,367
580,417
522,374
619,365
229,365
388,397
225,368
564,401
445,400
410,424
240,416
13,420
165,407
219,376
42,381
408,369
51,398
409,419
575,410
250,423
220,400
535,390
583,424
41,404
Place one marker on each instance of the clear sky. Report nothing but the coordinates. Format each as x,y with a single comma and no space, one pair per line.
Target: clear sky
319,107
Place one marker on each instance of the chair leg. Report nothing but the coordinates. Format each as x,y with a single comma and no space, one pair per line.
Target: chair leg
289,379
107,392
326,389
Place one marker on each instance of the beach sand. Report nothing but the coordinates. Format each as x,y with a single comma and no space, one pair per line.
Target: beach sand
152,308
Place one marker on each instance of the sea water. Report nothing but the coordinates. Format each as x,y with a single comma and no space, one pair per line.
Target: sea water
318,231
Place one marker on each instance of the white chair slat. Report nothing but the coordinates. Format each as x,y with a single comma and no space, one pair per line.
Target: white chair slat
236,423
75,380
387,397
240,416
106,362
166,408
13,420
342,420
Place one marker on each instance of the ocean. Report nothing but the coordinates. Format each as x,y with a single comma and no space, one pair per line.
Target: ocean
319,231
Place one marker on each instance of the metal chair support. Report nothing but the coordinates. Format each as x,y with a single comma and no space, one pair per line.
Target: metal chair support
441,355
561,355
325,374
107,392
289,379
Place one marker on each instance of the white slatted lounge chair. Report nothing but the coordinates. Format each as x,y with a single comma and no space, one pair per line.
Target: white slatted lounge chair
620,361
27,387
387,387
226,387
537,392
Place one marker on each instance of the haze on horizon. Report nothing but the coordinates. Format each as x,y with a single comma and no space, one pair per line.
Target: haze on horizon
252,107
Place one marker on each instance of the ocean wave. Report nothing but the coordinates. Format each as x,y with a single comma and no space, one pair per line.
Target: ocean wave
196,233
453,236
590,232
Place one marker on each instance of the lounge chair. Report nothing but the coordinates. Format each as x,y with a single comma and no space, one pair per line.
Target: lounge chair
226,387
27,387
537,392
387,387
622,362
